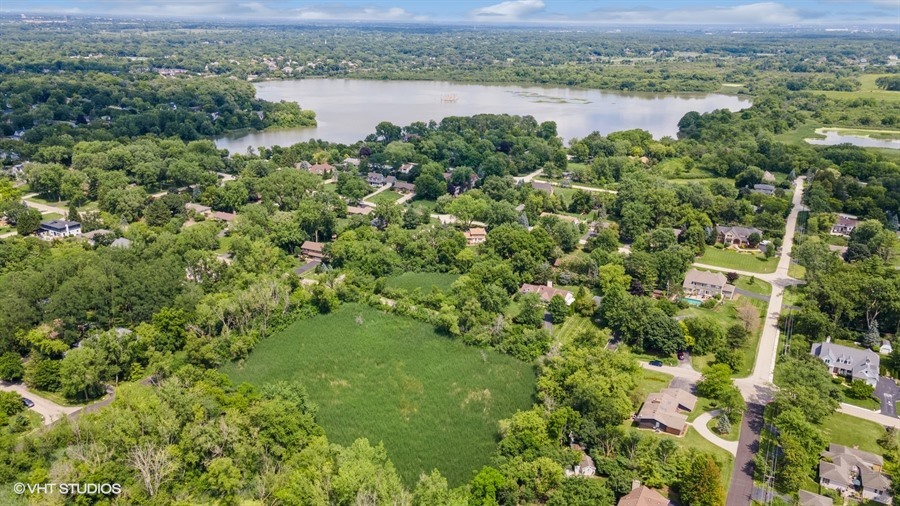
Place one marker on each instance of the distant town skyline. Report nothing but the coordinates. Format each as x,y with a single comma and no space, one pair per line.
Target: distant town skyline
584,12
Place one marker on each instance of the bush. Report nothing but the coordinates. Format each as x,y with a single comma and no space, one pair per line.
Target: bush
11,368
860,390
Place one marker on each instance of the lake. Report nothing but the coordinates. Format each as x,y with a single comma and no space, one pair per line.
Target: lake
833,137
347,110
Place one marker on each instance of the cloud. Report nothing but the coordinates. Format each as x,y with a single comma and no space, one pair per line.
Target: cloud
762,13
355,13
510,10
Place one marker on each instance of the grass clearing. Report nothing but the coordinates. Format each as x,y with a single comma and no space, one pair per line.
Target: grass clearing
651,382
574,325
867,89
424,281
434,402
728,259
727,315
851,431
733,435
386,197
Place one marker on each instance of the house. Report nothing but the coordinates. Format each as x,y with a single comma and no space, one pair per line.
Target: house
851,471
121,243
475,236
544,187
406,168
362,211
375,179
844,225
304,165
886,347
737,235
768,177
404,187
664,411
312,250
350,162
547,292
198,208
765,189
59,228
321,169
93,234
222,216
705,284
641,495
585,467
811,499
853,363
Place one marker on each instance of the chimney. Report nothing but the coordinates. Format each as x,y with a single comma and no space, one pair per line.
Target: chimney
549,284
635,484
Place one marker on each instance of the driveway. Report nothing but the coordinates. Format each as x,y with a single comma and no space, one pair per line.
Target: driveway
699,425
48,409
889,393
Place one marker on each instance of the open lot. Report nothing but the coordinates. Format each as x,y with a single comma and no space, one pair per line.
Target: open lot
851,431
729,259
434,402
424,281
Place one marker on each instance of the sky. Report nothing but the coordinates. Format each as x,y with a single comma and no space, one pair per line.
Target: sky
585,12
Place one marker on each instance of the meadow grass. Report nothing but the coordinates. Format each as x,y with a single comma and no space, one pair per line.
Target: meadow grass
387,197
867,89
433,402
424,281
751,262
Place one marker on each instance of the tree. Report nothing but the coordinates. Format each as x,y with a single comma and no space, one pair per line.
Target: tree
723,424
558,309
702,484
485,487
860,390
467,208
736,336
11,368
576,491
707,333
154,464
531,310
584,303
716,379
28,222
79,374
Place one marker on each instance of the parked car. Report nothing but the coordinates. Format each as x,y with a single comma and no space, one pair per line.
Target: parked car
27,402
680,355
656,363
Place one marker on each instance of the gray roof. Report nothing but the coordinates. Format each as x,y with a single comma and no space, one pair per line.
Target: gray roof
810,499
742,232
59,225
121,242
764,188
859,363
846,461
704,277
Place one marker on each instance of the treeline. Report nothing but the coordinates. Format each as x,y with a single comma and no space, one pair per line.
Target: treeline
100,106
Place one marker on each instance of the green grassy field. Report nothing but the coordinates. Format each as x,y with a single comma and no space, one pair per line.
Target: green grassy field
749,262
435,403
651,382
851,431
733,435
726,315
867,90
573,326
424,281
386,197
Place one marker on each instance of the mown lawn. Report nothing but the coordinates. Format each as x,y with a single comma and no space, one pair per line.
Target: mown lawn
386,197
651,382
424,281
573,326
727,259
434,402
851,431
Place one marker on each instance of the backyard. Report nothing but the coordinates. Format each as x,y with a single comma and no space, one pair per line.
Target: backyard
435,403
729,259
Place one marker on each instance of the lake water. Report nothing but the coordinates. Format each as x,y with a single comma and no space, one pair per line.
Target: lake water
347,110
833,137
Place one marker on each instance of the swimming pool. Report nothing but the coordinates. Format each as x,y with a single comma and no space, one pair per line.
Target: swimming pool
692,302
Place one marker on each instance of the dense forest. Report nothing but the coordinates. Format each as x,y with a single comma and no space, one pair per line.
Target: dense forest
124,151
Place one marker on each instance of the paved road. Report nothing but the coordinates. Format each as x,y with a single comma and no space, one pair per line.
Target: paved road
872,416
580,187
699,425
889,393
741,487
528,177
43,208
48,409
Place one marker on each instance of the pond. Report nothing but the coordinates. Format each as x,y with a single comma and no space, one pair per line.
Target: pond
834,137
347,110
